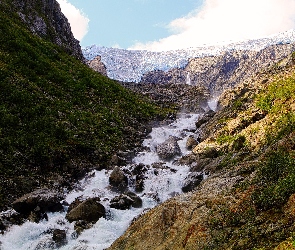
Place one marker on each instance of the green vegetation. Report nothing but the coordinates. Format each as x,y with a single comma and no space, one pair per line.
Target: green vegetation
55,111
276,181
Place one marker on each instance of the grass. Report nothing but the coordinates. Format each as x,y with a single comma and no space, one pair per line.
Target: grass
55,110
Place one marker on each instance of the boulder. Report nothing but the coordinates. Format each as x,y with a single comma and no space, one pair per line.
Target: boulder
89,210
125,201
137,201
118,179
121,202
191,142
47,200
169,148
191,182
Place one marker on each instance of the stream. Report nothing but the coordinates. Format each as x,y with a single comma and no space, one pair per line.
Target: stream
161,184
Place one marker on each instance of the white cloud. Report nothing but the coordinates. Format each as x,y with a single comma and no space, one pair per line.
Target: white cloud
77,19
222,21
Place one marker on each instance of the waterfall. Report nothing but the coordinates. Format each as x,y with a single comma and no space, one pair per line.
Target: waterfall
188,79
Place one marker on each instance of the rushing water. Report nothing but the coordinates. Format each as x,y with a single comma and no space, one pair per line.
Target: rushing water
159,186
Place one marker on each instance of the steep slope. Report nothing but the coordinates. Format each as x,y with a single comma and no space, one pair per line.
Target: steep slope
59,118
248,149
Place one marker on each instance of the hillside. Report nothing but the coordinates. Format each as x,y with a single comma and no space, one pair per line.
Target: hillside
59,118
247,201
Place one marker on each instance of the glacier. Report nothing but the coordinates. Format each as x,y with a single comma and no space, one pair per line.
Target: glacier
130,65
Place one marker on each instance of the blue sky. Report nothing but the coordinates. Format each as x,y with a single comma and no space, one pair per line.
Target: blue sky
173,24
125,22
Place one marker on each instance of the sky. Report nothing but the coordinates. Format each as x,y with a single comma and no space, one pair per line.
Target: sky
160,25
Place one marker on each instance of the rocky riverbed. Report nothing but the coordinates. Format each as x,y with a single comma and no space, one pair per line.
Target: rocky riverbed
104,203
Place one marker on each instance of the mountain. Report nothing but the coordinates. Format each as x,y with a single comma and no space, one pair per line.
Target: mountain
131,65
59,118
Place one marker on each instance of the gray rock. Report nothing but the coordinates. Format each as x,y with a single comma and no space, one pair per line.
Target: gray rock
121,202
118,179
89,210
46,199
168,149
125,201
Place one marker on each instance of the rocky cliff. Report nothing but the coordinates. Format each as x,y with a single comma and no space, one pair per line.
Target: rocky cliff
45,19
218,73
248,200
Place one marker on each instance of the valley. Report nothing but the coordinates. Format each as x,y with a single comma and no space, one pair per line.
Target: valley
109,148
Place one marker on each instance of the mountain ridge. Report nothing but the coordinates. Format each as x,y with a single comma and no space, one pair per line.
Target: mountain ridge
131,65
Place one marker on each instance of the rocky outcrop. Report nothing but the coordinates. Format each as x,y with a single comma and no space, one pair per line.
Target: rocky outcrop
217,73
97,65
59,237
45,19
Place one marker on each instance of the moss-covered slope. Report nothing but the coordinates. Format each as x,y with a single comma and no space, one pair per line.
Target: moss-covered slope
56,115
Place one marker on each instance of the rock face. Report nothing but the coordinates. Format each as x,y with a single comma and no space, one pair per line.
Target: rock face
45,19
217,73
89,210
169,148
97,65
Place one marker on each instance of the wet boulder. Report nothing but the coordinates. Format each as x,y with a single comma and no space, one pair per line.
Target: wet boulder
118,179
191,142
191,182
89,210
47,200
169,148
59,237
125,201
